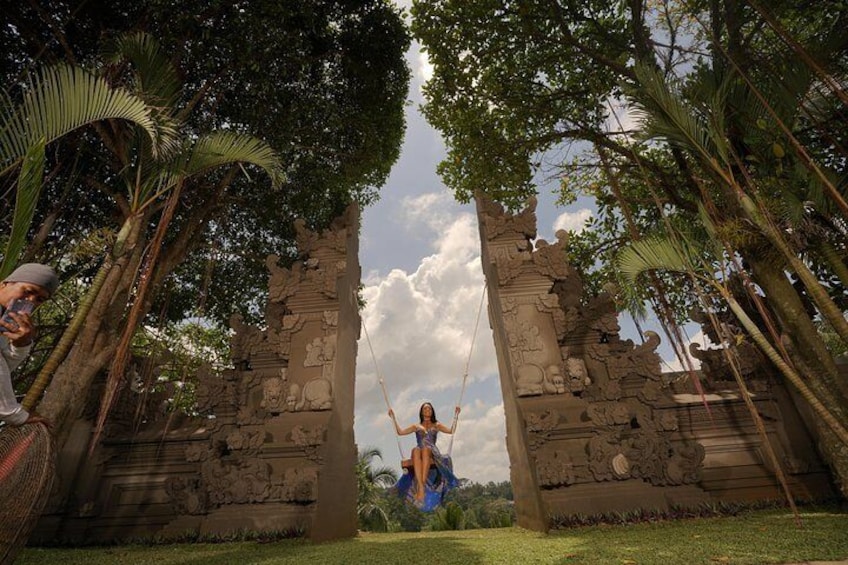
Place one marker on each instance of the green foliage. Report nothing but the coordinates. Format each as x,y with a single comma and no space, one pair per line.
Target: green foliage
171,357
448,517
322,82
372,482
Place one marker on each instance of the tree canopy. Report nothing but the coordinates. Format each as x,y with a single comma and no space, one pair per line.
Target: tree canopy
322,82
719,122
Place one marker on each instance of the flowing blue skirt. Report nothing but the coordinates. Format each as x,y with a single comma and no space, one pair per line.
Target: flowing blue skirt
440,481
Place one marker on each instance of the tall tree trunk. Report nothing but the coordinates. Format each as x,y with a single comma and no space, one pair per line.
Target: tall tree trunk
784,301
831,423
100,320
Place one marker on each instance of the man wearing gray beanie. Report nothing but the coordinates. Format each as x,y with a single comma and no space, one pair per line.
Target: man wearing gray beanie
29,285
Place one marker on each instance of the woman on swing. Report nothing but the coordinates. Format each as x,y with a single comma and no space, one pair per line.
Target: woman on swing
426,451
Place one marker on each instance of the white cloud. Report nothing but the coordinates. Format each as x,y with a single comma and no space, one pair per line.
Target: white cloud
479,450
572,221
622,117
673,364
421,326
424,69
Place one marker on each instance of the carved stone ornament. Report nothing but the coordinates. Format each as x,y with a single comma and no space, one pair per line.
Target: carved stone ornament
551,260
317,394
273,395
282,282
307,437
529,380
555,468
187,495
238,482
320,351
497,222
299,484
242,438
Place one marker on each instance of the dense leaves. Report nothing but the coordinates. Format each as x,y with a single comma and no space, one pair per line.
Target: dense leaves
717,123
323,82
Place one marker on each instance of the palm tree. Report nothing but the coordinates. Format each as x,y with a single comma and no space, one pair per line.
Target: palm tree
57,101
371,482
683,253
149,177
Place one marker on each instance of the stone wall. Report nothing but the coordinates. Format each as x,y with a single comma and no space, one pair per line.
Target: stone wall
592,425
274,448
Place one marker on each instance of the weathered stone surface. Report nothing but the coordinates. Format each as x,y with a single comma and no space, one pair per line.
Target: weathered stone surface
276,431
592,426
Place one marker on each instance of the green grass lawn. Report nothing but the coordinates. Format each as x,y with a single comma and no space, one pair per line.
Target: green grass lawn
754,538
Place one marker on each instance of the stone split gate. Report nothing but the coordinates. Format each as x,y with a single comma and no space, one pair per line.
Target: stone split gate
593,426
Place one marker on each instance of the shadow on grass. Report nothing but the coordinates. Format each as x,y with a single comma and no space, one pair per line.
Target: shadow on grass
442,550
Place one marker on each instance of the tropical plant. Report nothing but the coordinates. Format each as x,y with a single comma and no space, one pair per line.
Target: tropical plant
371,481
448,517
322,92
55,102
149,179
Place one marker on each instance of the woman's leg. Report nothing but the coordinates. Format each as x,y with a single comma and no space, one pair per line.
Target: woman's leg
426,459
420,472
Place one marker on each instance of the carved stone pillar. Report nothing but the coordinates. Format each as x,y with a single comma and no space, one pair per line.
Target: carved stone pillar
590,426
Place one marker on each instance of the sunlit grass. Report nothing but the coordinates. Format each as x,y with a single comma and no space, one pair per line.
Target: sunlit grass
755,538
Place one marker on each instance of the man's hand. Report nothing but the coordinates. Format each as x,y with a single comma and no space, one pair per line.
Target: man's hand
22,335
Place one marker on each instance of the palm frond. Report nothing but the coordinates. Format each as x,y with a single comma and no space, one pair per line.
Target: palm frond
156,79
665,115
225,147
29,187
657,252
63,98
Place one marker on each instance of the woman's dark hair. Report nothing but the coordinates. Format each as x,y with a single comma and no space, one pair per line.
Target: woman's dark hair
421,413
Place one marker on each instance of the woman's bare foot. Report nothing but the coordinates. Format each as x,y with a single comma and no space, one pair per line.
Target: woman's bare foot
419,493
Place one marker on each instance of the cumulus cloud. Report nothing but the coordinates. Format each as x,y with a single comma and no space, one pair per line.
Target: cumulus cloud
421,326
622,117
424,69
673,364
572,221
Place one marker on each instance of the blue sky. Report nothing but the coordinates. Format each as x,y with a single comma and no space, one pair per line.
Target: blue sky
420,256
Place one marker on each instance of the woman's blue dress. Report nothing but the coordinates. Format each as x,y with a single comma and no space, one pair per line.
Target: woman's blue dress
440,479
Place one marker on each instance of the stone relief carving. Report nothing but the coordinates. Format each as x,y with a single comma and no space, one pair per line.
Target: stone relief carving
554,381
273,395
551,260
648,456
303,436
242,438
317,394
555,468
498,223
578,376
539,426
299,485
236,483
321,351
715,366
529,380
510,262
187,495
282,282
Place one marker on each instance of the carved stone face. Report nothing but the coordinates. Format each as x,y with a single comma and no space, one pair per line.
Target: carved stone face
272,392
556,379
577,371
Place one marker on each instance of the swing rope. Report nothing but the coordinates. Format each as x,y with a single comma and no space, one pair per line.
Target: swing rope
382,386
467,365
